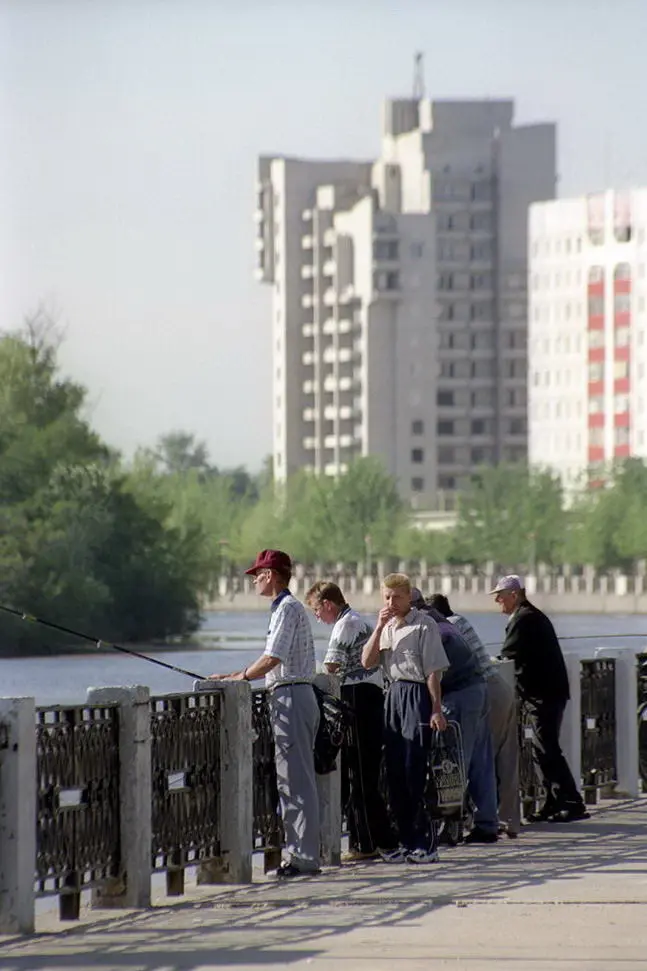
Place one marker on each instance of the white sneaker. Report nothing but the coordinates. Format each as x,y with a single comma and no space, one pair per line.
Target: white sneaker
394,856
422,856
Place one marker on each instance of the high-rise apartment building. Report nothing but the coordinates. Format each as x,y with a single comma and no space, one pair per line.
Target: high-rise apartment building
588,318
399,295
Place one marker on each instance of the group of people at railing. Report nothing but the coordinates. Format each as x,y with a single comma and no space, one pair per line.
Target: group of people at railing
420,666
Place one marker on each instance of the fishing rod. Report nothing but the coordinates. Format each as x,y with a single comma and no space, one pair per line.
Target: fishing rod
29,618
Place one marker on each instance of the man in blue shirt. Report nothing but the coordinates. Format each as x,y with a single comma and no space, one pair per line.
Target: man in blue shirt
288,665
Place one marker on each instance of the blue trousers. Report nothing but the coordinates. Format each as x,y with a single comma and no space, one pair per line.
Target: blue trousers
407,736
470,708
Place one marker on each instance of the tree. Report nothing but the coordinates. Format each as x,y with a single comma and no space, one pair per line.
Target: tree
76,545
179,452
511,515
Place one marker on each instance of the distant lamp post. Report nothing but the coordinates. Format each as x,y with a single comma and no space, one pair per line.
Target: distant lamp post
224,556
368,545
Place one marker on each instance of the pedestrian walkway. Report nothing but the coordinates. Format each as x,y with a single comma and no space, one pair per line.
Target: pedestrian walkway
560,898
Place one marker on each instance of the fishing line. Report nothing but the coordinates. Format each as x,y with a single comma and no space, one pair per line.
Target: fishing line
29,618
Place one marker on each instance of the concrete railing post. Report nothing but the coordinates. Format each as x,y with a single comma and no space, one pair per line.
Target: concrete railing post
135,793
17,815
571,734
236,785
329,788
627,724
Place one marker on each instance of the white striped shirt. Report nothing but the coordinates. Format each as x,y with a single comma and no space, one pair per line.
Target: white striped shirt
289,638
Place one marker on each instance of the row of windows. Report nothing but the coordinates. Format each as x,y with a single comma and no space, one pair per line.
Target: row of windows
597,436
595,373
460,252
483,426
465,281
516,369
621,304
559,279
464,222
461,190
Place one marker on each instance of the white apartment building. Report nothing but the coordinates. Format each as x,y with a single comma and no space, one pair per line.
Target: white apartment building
588,317
399,295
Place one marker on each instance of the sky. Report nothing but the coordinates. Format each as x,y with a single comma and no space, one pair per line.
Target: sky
129,132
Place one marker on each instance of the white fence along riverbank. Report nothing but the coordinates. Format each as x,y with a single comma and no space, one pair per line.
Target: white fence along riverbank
589,593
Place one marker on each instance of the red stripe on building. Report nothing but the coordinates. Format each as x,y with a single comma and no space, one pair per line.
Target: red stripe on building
596,453
621,451
596,420
621,385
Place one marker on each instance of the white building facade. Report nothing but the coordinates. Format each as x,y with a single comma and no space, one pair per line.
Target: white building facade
399,295
587,323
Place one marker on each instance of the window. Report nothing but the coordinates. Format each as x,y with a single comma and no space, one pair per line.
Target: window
417,251
621,436
481,221
445,399
481,311
481,281
621,303
417,456
446,482
417,427
446,455
386,281
445,427
517,426
385,249
596,338
596,371
596,405
478,426
620,369
596,306
417,485
480,455
447,369
621,404
622,336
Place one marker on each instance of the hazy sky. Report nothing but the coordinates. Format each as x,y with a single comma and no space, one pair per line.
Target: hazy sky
129,131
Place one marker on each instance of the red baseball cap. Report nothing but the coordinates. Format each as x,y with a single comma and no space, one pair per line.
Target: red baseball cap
271,560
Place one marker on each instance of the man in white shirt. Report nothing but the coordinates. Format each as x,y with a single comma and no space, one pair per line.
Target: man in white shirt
408,645
288,665
363,690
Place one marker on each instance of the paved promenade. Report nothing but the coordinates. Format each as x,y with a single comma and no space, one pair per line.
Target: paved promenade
559,898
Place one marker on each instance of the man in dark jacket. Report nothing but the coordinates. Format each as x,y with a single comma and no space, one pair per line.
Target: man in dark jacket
542,685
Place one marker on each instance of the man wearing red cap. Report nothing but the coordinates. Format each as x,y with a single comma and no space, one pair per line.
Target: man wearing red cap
288,665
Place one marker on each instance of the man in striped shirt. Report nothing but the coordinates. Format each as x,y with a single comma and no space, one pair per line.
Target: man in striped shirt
288,665
503,719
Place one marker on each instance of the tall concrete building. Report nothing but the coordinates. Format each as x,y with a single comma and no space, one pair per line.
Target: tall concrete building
587,347
399,295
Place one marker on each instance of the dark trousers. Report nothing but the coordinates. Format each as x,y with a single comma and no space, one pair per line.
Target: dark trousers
368,819
561,791
407,737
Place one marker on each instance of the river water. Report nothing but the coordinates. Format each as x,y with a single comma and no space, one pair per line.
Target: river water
229,641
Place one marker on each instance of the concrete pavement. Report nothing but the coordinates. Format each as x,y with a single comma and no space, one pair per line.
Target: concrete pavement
559,898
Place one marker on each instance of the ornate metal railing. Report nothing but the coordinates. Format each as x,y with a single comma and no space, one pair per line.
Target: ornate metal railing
598,686
77,821
268,831
185,762
642,718
531,789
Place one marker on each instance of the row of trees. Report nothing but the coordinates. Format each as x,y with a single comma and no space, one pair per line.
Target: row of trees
129,549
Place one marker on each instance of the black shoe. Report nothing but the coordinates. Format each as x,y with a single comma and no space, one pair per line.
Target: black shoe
481,836
542,815
570,815
288,870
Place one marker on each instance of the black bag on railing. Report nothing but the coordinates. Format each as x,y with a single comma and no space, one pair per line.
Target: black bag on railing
335,719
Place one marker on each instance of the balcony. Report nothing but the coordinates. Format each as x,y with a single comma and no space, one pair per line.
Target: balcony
310,442
330,297
307,242
308,358
309,414
329,268
329,237
308,330
307,300
307,271
306,215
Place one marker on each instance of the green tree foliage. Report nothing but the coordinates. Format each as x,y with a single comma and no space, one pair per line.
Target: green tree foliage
610,523
77,546
511,515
